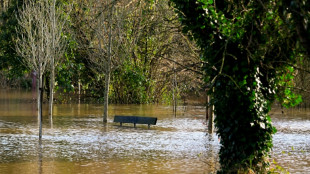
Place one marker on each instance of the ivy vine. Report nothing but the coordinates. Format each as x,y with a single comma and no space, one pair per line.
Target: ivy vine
248,49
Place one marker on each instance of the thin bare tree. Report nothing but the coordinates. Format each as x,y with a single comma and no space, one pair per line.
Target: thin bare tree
40,43
33,45
107,43
57,20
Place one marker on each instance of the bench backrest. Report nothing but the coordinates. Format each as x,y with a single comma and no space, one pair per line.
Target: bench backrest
135,119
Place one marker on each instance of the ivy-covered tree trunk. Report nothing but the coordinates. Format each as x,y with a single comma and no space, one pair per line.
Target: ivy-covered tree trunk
243,125
249,50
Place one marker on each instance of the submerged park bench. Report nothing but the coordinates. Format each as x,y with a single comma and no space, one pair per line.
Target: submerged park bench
135,120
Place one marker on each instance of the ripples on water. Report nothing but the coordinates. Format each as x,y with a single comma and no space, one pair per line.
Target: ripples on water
292,141
76,141
111,145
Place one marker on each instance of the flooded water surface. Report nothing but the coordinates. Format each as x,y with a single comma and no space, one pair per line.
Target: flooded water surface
76,140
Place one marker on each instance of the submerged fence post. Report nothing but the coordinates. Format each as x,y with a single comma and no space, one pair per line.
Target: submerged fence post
210,116
211,120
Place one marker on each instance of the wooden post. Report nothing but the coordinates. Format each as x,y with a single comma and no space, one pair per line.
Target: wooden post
211,120
211,117
207,107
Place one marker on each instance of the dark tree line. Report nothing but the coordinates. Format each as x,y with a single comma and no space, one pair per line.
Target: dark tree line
147,51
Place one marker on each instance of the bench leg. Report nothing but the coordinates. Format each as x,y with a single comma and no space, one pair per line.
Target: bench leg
149,126
134,125
121,123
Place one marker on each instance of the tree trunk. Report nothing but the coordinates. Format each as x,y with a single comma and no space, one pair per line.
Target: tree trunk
106,96
51,97
79,83
38,92
52,76
40,101
174,91
108,70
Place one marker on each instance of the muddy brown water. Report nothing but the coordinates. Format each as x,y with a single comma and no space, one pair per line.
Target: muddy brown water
76,141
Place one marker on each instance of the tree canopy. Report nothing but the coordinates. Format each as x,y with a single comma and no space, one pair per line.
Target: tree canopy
151,50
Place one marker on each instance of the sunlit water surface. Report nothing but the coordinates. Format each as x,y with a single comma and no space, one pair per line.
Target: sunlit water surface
76,140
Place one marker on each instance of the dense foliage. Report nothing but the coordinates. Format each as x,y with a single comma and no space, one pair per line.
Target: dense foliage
147,40
154,57
10,67
250,50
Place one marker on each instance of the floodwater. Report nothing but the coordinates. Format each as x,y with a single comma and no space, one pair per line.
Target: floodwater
76,140
292,141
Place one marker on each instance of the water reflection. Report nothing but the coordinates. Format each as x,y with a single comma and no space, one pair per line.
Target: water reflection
40,157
